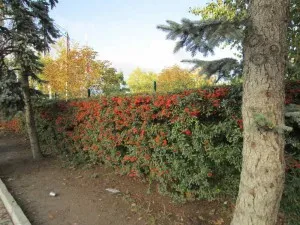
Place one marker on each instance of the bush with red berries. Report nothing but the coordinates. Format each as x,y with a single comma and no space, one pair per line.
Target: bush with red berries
188,143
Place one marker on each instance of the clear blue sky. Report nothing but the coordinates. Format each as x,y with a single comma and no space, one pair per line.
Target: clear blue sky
124,31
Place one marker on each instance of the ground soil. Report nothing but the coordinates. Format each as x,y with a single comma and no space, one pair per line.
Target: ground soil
82,198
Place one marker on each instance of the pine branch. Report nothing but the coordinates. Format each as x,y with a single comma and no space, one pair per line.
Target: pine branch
293,70
203,36
225,68
292,112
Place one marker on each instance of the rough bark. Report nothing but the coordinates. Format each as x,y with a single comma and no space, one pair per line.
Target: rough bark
263,168
29,118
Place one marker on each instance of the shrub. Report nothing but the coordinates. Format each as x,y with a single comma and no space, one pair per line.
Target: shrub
190,143
15,124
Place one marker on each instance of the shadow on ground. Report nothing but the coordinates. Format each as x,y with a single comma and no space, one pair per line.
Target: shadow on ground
82,198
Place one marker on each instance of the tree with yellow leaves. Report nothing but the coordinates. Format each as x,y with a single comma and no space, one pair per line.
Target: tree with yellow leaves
71,73
175,78
140,81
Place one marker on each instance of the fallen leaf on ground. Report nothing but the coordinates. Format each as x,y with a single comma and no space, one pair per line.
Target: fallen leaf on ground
218,221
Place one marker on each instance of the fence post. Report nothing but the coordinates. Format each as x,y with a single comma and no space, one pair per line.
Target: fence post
89,92
154,86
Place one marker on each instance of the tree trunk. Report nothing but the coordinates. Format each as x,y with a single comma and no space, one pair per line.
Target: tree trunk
263,168
29,118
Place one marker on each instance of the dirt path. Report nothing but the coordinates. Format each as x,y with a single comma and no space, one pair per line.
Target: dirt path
82,198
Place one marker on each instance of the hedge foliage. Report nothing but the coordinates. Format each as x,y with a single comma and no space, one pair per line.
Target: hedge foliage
15,124
189,143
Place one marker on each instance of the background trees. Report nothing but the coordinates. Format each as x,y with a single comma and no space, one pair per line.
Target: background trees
71,73
141,81
170,79
175,78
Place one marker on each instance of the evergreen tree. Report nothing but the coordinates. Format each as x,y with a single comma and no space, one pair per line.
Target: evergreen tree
223,23
294,41
26,29
263,30
263,166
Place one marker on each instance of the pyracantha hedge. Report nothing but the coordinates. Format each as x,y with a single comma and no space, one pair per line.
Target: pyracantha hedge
188,143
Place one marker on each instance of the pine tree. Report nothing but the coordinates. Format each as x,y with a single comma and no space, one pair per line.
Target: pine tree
26,29
223,23
263,31
263,168
294,41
